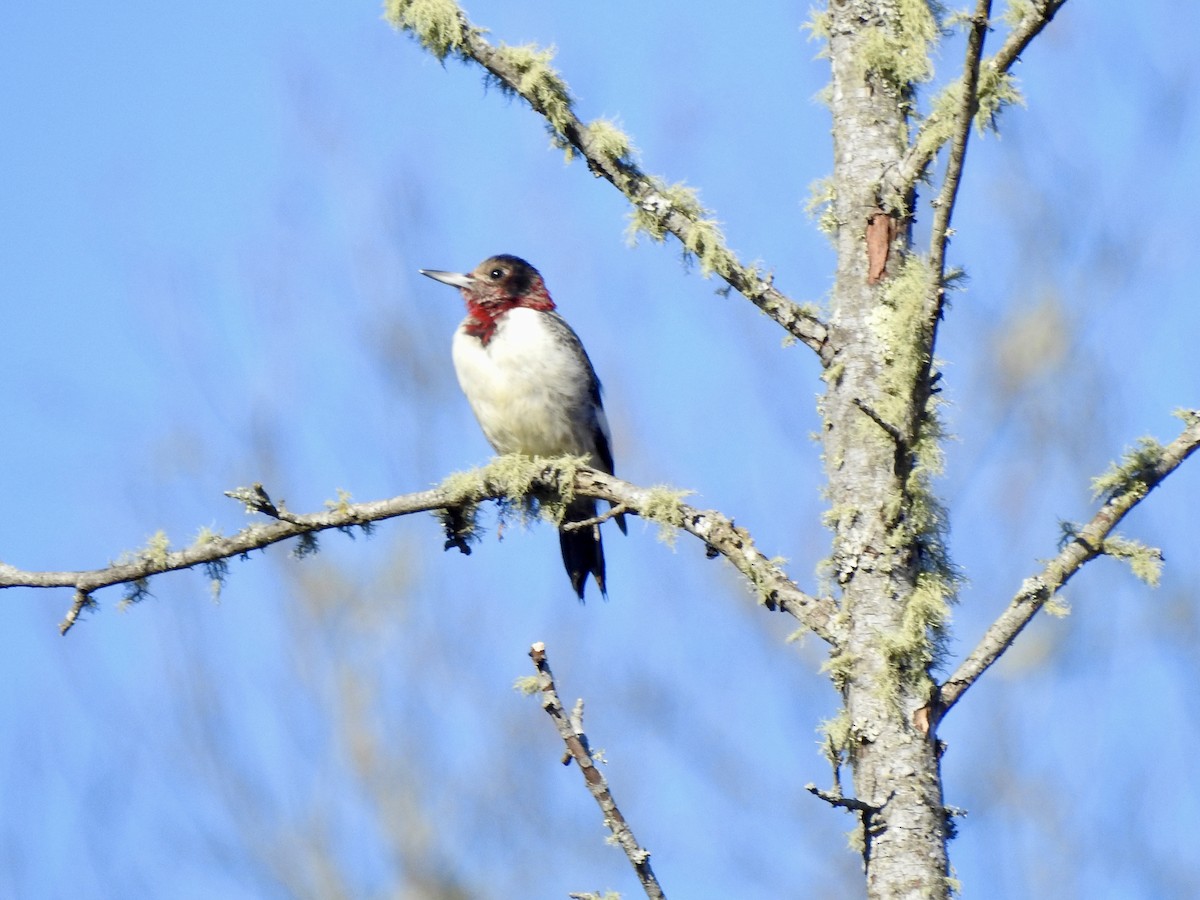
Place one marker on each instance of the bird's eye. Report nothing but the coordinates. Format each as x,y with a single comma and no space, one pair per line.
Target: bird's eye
495,273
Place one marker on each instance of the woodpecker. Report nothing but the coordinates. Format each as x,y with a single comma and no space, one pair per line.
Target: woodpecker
532,387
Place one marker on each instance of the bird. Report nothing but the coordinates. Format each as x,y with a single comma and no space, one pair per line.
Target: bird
532,388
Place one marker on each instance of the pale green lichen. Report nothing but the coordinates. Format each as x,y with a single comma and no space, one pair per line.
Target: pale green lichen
606,140
684,199
155,552
955,18
664,507
538,82
938,126
1057,605
460,517
833,374
840,668
818,26
900,55
822,195
1190,417
764,580
520,483
157,549
701,234
439,25
341,505
836,735
443,29
527,685
898,322
704,241
515,476
1016,11
463,487
1145,562
919,642
649,218
1132,475
217,571
918,522
837,518
206,535
996,90
918,519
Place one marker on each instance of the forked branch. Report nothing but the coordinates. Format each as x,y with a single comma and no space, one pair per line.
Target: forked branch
936,129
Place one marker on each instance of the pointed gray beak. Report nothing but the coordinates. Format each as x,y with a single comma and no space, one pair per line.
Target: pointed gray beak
454,279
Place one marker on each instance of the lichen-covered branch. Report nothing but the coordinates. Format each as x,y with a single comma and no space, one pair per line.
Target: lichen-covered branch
995,89
1028,18
570,729
1122,488
210,549
659,209
722,537
518,482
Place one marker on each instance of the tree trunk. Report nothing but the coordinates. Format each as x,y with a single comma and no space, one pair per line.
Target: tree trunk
893,587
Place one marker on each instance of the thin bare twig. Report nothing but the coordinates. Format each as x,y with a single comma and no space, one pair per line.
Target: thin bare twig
1086,544
944,204
598,519
866,812
570,729
837,800
887,427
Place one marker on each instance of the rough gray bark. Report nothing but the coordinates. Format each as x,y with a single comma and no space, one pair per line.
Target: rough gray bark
869,458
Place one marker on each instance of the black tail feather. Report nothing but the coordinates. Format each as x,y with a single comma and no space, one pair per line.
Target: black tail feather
582,549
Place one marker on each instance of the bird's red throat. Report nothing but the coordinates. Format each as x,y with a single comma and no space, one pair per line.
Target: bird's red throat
483,317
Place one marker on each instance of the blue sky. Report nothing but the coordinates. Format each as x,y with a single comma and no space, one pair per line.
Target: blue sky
212,221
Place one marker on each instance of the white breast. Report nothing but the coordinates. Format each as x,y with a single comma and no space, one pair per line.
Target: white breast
530,386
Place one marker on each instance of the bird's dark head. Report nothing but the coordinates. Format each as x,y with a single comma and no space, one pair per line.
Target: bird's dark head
498,284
